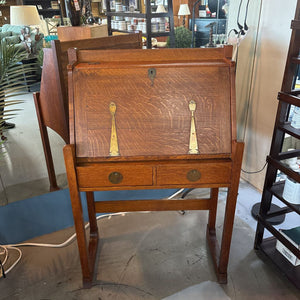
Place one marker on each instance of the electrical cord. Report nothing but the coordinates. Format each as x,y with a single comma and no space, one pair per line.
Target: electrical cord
4,248
254,172
240,35
238,16
246,16
2,269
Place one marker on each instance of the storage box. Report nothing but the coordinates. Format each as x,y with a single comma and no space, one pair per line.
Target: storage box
72,33
292,235
54,5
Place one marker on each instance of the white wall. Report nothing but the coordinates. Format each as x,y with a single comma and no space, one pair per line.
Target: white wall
257,92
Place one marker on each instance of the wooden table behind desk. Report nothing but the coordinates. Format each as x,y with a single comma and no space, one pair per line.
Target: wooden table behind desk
72,33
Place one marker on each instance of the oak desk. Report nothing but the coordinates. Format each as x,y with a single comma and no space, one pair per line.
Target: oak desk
152,119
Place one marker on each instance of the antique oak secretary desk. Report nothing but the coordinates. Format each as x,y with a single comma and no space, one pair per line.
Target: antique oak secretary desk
152,119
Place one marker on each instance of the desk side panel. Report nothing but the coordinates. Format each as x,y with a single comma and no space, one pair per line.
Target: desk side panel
53,110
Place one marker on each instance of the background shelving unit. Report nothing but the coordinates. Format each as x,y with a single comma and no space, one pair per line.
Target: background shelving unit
200,25
46,11
288,96
148,15
5,11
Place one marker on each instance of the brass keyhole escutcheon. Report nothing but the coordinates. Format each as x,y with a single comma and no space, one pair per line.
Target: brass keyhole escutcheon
193,175
151,75
115,177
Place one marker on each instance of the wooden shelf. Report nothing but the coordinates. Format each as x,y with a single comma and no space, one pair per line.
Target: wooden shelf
47,12
153,34
275,160
126,14
283,168
295,24
277,190
289,98
292,272
149,15
287,128
296,60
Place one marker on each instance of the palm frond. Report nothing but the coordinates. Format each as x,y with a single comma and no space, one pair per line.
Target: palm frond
13,76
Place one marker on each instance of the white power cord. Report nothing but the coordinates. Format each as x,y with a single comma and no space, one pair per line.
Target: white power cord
4,248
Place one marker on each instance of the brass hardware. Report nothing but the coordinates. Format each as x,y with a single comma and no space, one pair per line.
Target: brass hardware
114,147
193,175
193,146
115,177
151,75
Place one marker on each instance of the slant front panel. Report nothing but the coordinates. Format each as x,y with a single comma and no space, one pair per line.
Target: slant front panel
131,110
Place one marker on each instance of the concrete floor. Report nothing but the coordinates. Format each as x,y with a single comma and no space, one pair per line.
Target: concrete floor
160,255
150,256
23,172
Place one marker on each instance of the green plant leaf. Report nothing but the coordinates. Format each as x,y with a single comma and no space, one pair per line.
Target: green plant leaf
12,75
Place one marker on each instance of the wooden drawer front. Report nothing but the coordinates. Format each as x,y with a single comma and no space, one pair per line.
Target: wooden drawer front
101,176
194,173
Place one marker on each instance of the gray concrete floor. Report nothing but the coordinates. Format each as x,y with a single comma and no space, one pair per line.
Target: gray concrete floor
150,256
142,256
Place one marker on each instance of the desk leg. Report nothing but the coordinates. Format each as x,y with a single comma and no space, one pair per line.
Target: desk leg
86,266
213,210
230,212
46,144
211,228
94,236
92,213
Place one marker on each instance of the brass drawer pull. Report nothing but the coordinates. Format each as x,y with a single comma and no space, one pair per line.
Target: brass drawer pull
115,177
193,175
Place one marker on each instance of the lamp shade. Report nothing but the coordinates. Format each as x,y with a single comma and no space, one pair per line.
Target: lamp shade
160,9
24,15
184,10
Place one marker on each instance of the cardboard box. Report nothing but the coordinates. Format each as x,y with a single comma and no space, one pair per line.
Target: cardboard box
72,33
292,235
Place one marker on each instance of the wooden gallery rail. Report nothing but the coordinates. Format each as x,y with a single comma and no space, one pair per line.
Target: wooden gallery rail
152,119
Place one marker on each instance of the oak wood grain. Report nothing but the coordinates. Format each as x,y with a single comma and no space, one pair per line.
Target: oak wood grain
152,119
153,126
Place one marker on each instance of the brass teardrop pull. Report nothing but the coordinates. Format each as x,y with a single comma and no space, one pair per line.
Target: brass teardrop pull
114,146
115,177
193,175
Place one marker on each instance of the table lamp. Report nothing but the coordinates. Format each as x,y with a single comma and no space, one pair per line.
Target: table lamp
184,11
24,15
160,9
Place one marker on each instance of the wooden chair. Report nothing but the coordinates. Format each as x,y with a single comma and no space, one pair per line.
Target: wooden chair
152,119
52,101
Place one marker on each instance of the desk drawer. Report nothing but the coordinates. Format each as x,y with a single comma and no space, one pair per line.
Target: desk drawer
114,175
194,173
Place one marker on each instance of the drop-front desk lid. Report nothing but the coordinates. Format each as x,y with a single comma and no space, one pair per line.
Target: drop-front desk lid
167,102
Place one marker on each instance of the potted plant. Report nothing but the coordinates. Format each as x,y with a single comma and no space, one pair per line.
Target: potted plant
183,38
12,73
